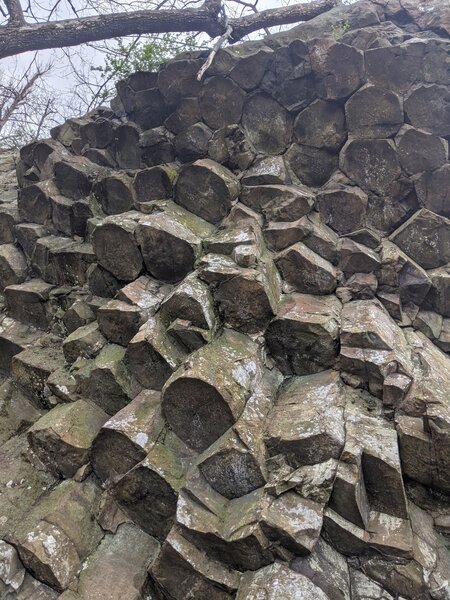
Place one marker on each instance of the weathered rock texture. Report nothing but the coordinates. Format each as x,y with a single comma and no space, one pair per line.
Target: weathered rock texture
225,327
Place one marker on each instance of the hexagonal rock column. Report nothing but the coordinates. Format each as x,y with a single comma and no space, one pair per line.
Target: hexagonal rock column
375,442
419,151
127,437
63,437
181,565
424,439
32,367
372,345
227,530
9,218
425,237
230,468
206,189
231,147
191,301
61,260
321,125
249,298
145,293
282,583
312,166
267,124
235,464
152,355
119,564
148,492
85,342
391,536
304,336
432,189
266,170
307,422
207,394
343,208
74,179
310,230
373,112
192,144
13,266
34,202
349,496
29,302
306,271
77,315
401,274
157,146
155,183
418,454
115,193
119,321
126,146
104,379
417,108
340,68
56,564
371,164
223,92
246,66
14,337
170,241
356,258
439,297
278,202
117,232
60,532
97,134
142,99
27,236
292,521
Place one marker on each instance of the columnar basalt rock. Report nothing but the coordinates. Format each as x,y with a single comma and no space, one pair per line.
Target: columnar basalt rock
170,241
210,390
225,326
62,438
303,337
119,232
126,438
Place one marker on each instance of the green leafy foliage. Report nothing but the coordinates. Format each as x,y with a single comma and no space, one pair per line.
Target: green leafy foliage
146,55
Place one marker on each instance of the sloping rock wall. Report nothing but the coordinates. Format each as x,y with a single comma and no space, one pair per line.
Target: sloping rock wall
225,327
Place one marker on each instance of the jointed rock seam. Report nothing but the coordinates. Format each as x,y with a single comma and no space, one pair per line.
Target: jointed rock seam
225,332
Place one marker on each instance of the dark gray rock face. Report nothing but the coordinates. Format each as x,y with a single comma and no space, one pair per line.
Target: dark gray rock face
267,124
225,326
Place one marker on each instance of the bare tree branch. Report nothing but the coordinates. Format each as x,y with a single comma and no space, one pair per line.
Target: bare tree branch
15,12
278,16
45,113
16,97
223,38
97,95
206,18
72,32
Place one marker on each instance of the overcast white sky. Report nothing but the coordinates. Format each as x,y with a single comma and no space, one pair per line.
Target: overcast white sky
62,81
60,73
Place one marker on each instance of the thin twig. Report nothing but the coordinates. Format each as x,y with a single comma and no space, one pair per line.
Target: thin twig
15,12
217,46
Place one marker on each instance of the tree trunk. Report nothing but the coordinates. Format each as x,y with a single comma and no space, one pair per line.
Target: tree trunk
18,37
